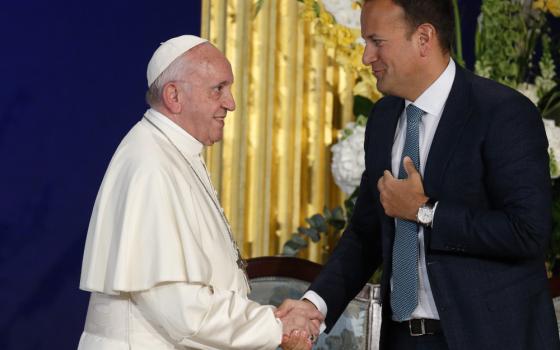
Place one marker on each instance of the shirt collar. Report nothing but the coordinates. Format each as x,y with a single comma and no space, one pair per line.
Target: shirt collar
181,138
432,100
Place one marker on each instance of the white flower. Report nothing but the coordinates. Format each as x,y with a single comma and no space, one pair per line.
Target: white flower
530,91
348,162
344,12
545,82
553,136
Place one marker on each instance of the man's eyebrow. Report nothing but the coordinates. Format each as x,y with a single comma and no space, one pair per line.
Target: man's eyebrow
374,36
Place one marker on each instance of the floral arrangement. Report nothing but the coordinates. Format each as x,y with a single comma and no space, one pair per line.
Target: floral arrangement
551,6
553,135
508,33
348,160
337,24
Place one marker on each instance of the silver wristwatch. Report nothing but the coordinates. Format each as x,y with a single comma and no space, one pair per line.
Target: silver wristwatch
425,215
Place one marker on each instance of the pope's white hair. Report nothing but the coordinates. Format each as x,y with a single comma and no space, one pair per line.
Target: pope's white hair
174,72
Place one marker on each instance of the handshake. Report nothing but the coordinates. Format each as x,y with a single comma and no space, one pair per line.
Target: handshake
301,323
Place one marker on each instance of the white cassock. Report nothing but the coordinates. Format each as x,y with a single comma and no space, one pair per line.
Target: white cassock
159,259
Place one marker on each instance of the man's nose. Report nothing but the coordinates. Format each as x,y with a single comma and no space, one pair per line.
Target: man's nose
370,55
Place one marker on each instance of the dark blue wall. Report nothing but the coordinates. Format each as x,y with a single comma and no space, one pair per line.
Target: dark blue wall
72,79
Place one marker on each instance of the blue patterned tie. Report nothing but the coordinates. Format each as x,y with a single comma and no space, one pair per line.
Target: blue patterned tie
404,296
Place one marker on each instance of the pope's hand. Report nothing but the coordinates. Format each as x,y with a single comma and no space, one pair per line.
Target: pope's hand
297,340
300,315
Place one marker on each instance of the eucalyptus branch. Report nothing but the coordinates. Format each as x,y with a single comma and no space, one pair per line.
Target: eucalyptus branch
318,224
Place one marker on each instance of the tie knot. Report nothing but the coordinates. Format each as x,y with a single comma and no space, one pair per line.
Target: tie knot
413,113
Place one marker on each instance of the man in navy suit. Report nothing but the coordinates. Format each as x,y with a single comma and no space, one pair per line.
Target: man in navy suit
454,202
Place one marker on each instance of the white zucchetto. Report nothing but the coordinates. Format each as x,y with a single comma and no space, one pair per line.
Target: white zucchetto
169,51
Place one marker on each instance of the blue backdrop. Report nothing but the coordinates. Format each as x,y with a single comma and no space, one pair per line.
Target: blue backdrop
73,83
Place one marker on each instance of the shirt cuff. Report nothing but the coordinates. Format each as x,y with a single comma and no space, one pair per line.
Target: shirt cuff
433,215
319,303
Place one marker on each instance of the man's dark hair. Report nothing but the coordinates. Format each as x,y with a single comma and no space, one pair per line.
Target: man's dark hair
438,13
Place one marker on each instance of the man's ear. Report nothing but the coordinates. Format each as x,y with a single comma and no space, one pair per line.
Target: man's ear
427,38
170,97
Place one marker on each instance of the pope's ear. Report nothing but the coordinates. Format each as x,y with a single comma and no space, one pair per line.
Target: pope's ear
170,97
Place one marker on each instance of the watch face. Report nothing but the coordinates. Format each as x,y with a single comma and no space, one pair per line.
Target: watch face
425,215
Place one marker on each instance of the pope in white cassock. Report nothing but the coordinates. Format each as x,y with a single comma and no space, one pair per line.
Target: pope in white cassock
160,261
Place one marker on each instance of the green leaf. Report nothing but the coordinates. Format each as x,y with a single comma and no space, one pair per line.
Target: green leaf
337,224
296,238
311,233
294,245
504,42
327,213
549,104
361,120
337,220
362,105
338,213
376,277
258,5
318,222
290,249
350,203
317,9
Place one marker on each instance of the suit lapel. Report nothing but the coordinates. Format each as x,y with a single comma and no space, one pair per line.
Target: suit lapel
386,134
386,125
455,115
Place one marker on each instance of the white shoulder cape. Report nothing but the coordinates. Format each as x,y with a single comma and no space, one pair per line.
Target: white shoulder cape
140,230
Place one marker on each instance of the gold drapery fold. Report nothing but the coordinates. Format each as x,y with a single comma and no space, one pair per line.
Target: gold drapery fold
272,170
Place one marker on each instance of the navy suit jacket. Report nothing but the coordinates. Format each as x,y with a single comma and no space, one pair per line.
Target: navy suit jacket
488,168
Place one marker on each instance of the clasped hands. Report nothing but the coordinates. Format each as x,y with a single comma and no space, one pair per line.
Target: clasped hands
402,198
301,323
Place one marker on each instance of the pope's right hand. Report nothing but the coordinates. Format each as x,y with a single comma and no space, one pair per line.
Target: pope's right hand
300,315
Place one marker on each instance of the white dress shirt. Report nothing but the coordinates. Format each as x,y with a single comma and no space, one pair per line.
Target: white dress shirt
432,102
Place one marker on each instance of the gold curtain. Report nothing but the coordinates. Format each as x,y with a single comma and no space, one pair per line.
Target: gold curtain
272,170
